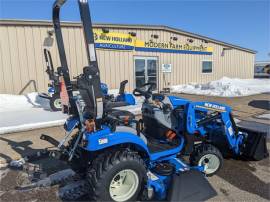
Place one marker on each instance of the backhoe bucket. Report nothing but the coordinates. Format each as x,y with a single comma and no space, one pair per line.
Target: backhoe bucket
254,145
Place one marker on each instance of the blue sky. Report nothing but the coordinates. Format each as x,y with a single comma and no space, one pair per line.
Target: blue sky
244,23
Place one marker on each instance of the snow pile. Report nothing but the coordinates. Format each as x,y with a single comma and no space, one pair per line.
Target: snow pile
27,112
264,116
226,87
113,92
19,102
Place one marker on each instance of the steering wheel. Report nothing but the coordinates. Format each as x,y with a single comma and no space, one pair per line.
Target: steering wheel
145,90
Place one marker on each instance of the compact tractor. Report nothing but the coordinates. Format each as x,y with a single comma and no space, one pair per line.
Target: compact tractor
122,99
54,87
165,155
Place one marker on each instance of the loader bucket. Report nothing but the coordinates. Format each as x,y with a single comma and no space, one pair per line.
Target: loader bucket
254,145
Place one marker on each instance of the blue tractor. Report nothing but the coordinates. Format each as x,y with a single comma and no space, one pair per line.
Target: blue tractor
54,87
162,156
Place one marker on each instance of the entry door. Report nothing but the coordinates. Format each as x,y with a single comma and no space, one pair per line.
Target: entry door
145,70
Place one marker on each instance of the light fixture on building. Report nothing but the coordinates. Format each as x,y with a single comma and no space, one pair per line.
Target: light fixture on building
204,41
190,40
133,34
225,49
50,32
105,30
174,38
48,41
155,36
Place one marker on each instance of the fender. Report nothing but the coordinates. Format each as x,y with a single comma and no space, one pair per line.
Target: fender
177,101
71,123
105,138
126,97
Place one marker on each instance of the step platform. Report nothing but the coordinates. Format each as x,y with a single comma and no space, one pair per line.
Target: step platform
190,186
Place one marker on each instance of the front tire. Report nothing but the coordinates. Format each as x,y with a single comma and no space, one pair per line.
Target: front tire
209,156
117,176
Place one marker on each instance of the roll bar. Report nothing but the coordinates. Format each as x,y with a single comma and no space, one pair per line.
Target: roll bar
61,49
91,73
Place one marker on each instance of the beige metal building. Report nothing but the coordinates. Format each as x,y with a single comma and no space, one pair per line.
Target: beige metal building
138,53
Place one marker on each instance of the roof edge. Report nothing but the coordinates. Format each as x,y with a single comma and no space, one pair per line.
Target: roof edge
129,26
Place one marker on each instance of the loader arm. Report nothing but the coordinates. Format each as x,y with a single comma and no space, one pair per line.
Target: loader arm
211,111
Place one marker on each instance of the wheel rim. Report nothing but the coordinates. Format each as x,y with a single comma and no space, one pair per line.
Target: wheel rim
124,185
57,103
211,163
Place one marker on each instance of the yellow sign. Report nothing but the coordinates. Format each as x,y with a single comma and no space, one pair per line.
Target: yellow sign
171,47
113,40
121,41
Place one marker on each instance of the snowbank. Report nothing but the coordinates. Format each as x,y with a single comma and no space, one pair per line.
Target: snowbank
264,116
22,102
27,112
226,87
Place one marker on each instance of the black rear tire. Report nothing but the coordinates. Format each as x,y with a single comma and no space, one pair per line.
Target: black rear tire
55,102
106,166
203,153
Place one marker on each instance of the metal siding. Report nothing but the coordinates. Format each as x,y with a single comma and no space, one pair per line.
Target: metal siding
22,54
21,59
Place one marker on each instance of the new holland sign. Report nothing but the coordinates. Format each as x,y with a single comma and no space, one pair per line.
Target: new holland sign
112,40
121,41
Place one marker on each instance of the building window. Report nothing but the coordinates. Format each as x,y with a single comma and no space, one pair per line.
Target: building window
207,66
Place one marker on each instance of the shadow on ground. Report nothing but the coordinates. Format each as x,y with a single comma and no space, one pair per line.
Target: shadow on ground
238,173
260,104
22,148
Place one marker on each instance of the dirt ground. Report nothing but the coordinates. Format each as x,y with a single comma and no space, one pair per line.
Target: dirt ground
236,181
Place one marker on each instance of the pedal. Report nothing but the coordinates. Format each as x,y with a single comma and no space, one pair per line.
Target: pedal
49,139
190,186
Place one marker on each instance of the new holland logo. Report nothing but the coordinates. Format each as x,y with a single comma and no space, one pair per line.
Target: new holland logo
214,106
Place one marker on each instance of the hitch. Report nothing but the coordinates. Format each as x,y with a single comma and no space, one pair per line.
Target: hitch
49,139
